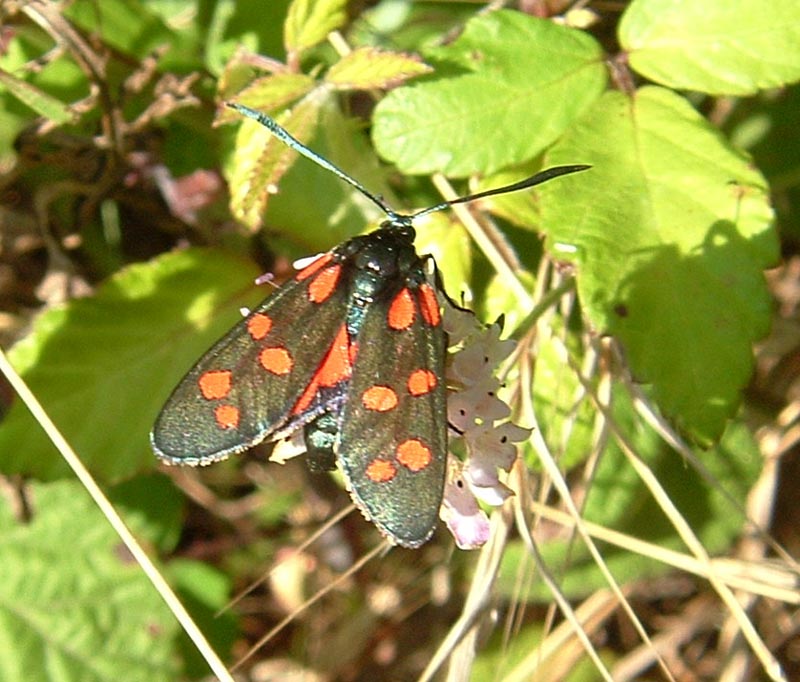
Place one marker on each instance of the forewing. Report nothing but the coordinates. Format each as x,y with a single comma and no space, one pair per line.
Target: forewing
393,428
247,386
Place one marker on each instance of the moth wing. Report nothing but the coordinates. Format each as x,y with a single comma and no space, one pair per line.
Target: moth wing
245,387
393,428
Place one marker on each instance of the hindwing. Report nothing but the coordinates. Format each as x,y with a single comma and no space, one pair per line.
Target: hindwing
392,444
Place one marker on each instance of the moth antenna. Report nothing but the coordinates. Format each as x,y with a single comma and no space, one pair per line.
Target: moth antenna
536,179
292,142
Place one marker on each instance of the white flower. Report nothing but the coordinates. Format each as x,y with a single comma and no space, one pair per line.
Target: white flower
473,412
480,356
460,511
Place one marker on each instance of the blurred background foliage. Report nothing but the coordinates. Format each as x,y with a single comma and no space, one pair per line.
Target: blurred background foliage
656,363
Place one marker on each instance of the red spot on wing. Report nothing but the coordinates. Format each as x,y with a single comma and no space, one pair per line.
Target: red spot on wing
379,399
305,400
401,311
215,384
324,284
421,381
313,267
429,305
381,471
276,360
226,416
258,326
335,367
414,454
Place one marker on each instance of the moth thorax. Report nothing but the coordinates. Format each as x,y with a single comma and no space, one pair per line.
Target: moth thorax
379,258
367,285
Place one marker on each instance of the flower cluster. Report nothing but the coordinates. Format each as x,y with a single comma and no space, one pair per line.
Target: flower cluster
478,418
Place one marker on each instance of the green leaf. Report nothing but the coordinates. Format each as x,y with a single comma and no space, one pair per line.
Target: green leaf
500,654
721,48
409,26
103,366
564,413
509,86
131,28
518,658
310,21
75,606
367,68
153,508
233,27
45,85
670,229
269,93
42,103
205,591
260,160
